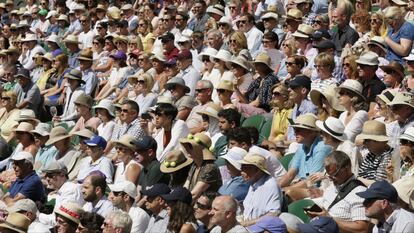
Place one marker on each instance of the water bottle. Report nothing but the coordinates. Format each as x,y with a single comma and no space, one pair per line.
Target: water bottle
53,111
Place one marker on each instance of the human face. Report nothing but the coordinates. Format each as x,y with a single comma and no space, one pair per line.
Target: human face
224,95
142,27
401,112
323,70
345,98
374,208
63,225
286,48
346,67
117,199
217,213
161,119
224,28
249,173
123,151
153,203
6,102
237,70
94,151
201,208
334,173
317,23
107,226
268,44
22,81
233,10
85,23
198,9
302,135
376,23
54,180
82,109
390,78
292,67
202,94
277,97
295,94
224,125
339,17
20,168
213,41
269,23
328,139
88,190
243,24
128,114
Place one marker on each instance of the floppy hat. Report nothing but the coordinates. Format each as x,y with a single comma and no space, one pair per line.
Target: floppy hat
17,222
304,31
211,109
22,72
405,190
27,115
71,211
176,81
23,155
264,59
403,98
222,55
225,85
368,58
294,14
395,67
332,126
127,140
158,56
202,140
373,130
24,127
75,74
255,160
408,134
387,96
241,61
378,41
56,134
86,55
125,186
106,104
71,39
174,161
156,190
234,156
63,17
23,205
208,52
179,194
330,94
86,133
48,56
96,141
42,129
320,224
55,166
380,190
305,121
352,85
268,224
84,100
29,37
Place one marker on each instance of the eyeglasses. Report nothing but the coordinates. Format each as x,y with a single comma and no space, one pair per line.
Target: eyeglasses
222,25
206,59
276,94
125,110
83,21
234,66
242,21
5,98
334,174
317,22
165,20
121,148
221,91
117,194
405,142
285,45
232,7
178,19
376,21
141,25
290,63
232,41
346,64
342,92
141,82
200,90
198,205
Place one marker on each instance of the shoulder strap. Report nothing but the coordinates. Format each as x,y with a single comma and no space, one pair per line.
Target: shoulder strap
345,191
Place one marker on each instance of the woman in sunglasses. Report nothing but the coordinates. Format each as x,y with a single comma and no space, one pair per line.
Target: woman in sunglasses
288,48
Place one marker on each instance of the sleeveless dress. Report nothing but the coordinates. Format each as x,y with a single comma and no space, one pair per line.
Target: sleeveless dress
120,171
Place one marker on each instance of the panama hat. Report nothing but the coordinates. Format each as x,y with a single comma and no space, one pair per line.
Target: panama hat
255,160
225,85
387,96
208,52
199,140
71,39
304,31
222,55
86,55
270,15
395,67
23,155
174,161
158,56
63,17
403,98
29,37
53,38
71,211
368,58
305,121
176,81
330,94
211,109
106,104
264,59
58,133
294,14
24,127
378,41
127,140
225,20
86,133
373,130
16,222
241,61
234,156
408,134
352,85
75,74
216,9
27,115
48,56
332,126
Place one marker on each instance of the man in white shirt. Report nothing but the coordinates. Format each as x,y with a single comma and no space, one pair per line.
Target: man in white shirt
254,36
93,191
29,209
122,196
128,15
187,71
87,34
29,49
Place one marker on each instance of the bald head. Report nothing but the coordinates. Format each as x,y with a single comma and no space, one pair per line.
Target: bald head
228,203
223,211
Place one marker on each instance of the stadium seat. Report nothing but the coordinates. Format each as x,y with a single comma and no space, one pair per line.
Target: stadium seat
265,130
296,208
285,160
254,121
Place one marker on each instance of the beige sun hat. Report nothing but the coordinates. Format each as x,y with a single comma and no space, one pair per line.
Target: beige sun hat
330,94
24,127
405,189
373,130
368,58
71,39
408,134
16,222
174,161
332,126
48,56
352,85
210,109
255,160
71,211
305,121
387,96
86,55
85,100
127,140
225,85
304,31
56,134
208,52
63,17
294,14
29,37
403,98
106,104
241,61
86,133
264,59
27,115
199,140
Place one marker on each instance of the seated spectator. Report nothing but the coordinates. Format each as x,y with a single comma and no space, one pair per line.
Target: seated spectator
179,172
202,207
204,89
210,121
242,74
325,66
122,196
83,106
30,210
143,89
68,217
8,115
264,195
53,96
270,224
318,224
15,222
223,214
28,94
45,154
225,89
402,107
27,184
394,75
117,221
25,139
381,204
184,102
90,222
106,113
327,102
156,204
228,119
128,168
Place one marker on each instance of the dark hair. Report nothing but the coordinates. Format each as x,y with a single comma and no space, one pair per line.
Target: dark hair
231,115
240,135
250,17
92,222
168,110
100,39
254,134
273,37
132,104
180,214
98,180
183,14
339,158
210,196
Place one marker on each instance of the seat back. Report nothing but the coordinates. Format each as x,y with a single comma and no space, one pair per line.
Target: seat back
296,208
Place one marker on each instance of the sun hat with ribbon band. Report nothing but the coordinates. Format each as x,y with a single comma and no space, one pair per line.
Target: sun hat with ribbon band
294,14
255,160
174,161
128,141
305,121
332,126
352,85
24,127
304,31
408,134
211,109
199,140
71,211
208,52
234,156
378,41
330,94
387,96
373,130
16,222
56,134
403,98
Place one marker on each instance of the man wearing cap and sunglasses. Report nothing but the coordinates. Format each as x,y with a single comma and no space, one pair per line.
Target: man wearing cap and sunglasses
157,205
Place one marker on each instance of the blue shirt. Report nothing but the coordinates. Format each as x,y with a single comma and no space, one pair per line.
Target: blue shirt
310,160
405,32
236,188
44,156
30,186
91,81
305,107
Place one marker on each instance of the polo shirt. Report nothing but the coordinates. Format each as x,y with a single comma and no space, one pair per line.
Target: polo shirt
30,93
158,223
151,174
236,188
406,31
103,207
31,187
400,221
344,36
372,88
102,164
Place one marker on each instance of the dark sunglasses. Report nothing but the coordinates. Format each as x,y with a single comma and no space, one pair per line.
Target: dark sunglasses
290,63
405,142
198,205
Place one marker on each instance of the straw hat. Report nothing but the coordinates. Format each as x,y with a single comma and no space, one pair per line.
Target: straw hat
332,126
225,85
241,61
127,140
222,55
294,14
378,41
304,31
305,121
63,17
106,104
176,81
199,140
24,127
56,134
86,133
352,85
373,130
408,134
27,115
174,161
387,96
16,222
211,109
48,56
330,93
270,15
71,39
29,37
208,52
234,156
255,160
403,98
75,74
368,58
394,66
86,55
71,211
85,100
264,59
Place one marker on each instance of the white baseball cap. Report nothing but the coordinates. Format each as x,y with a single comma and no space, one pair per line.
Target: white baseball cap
23,155
234,155
125,186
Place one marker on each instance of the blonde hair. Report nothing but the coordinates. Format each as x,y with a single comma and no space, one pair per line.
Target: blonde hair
325,59
12,95
353,65
346,7
149,81
240,39
383,28
284,91
292,44
393,12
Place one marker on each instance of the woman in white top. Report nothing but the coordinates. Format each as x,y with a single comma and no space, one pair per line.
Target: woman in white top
145,98
106,112
221,70
208,65
350,96
128,168
270,45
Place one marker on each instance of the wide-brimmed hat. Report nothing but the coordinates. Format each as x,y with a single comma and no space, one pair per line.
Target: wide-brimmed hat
48,56
330,93
106,104
352,85
86,55
241,61
158,56
378,41
305,121
75,74
225,85
264,59
294,14
304,31
84,100
222,55
12,49
16,222
387,95
53,38
208,52
368,58
63,17
71,39
225,20
408,134
373,130
56,134
27,115
234,156
127,140
255,160
86,133
29,37
24,127
403,98
176,81
332,126
125,186
42,129
23,23
211,109
405,190
54,167
71,211
270,15
201,140
23,155
216,9
174,161
395,67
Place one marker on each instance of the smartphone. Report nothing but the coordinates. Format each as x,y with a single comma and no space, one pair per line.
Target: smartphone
146,116
314,208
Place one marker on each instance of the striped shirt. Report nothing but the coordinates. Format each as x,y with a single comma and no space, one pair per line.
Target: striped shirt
373,167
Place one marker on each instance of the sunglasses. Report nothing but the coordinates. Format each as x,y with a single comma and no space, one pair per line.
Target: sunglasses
346,64
318,66
198,205
141,25
221,91
334,174
290,63
5,98
125,110
205,60
121,148
222,25
405,142
276,94
376,21
242,21
342,92
317,22
232,7
200,90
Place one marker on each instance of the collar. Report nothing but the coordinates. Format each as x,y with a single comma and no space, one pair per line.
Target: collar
162,215
260,182
131,123
98,161
314,143
100,203
387,225
339,187
32,173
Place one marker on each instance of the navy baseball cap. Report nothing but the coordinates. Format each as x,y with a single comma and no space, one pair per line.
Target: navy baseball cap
147,142
320,225
325,44
300,80
156,190
269,224
167,37
380,190
96,141
179,194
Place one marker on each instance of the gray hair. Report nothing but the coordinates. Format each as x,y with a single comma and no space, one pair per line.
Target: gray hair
215,32
346,7
229,203
339,158
206,84
121,219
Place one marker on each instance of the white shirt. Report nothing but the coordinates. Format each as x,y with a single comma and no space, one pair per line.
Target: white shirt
179,130
351,150
69,110
103,164
254,40
26,59
354,126
105,130
103,207
400,221
140,219
146,102
86,39
272,163
190,76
